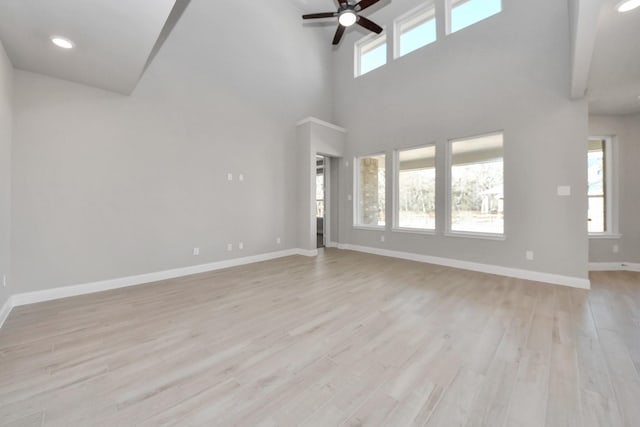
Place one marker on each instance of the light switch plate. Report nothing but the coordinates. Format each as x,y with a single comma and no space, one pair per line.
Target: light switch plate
564,190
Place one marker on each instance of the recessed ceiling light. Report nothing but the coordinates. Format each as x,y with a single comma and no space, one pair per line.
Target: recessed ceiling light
627,5
62,42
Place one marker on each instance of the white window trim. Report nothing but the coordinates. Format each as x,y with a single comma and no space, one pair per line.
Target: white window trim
396,193
357,47
356,193
605,236
611,196
470,234
399,21
475,235
369,227
449,8
426,231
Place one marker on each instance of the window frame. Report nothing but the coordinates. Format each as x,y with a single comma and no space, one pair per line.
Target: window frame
399,21
356,192
610,188
370,38
395,225
449,6
448,204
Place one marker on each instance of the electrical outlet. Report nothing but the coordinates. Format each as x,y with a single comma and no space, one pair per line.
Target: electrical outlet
278,241
241,177
616,249
348,196
196,251
529,255
382,238
229,177
346,163
240,246
564,190
229,247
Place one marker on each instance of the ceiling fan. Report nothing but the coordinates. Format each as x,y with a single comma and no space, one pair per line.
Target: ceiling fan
349,14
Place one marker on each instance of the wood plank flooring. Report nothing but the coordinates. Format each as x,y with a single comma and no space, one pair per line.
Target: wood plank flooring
342,339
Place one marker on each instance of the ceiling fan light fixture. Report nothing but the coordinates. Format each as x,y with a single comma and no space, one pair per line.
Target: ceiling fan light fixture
627,5
348,18
62,42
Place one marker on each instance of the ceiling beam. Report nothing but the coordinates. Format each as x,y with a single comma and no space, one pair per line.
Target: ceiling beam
583,16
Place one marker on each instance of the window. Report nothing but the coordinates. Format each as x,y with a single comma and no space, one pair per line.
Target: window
463,13
415,30
476,197
371,53
370,191
599,173
416,188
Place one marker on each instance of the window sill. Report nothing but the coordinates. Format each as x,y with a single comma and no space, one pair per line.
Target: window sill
605,236
471,235
427,231
370,227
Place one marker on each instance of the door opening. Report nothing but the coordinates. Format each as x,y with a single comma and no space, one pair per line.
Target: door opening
321,181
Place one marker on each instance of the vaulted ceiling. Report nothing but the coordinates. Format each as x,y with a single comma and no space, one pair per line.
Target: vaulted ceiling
115,41
614,79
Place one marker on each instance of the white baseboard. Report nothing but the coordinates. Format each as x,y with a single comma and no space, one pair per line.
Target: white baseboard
332,244
122,282
614,266
5,310
575,282
307,252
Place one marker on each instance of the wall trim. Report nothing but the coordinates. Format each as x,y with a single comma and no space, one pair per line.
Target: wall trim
321,123
556,279
614,266
306,252
332,244
140,279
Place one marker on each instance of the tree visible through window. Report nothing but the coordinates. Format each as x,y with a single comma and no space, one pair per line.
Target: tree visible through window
477,185
416,203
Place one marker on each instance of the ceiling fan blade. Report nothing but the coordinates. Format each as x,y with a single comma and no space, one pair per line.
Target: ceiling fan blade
369,25
320,15
339,33
362,5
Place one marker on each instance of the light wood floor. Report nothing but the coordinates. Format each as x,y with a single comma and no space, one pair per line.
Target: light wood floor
344,338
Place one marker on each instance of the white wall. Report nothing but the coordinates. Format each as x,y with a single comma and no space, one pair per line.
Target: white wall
626,132
510,72
6,89
107,186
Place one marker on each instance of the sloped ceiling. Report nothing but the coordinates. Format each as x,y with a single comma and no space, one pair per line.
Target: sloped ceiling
614,80
113,39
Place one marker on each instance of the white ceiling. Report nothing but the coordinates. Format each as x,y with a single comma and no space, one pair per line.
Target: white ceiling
614,79
113,38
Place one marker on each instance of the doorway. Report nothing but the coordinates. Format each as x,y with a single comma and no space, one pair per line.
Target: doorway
321,200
